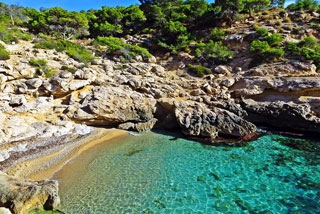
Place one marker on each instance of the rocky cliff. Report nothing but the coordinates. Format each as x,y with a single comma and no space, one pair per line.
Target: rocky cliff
141,96
39,113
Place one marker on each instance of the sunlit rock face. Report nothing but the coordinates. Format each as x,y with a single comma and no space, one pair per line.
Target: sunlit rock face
20,196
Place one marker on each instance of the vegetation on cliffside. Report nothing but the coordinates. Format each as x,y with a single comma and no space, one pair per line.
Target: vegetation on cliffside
194,27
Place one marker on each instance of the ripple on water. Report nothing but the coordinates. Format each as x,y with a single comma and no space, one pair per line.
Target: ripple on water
155,174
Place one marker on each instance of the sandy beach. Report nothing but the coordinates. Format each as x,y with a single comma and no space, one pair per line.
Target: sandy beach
46,165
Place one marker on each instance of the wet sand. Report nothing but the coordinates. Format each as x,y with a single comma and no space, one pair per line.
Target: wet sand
74,169
44,167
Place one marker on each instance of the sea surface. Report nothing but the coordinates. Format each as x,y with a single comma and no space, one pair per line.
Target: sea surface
159,173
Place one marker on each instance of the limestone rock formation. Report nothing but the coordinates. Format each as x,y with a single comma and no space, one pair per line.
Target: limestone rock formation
198,120
298,117
255,85
203,122
20,196
110,106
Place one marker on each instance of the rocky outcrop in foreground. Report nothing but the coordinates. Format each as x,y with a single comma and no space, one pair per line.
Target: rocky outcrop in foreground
20,196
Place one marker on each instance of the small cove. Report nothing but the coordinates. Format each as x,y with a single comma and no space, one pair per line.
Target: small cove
157,173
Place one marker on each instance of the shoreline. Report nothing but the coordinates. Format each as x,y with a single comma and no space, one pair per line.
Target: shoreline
46,165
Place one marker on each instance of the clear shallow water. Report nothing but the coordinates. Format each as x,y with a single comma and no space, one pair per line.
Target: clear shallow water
155,173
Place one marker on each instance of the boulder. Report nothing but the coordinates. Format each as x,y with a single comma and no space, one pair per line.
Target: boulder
158,70
139,58
17,100
111,106
234,38
108,66
222,69
60,86
195,119
21,196
284,115
152,59
65,74
146,126
228,82
204,122
126,126
86,74
34,83
4,210
139,68
96,62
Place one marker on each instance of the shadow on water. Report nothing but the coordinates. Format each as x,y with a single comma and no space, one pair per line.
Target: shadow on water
208,143
308,145
308,149
134,151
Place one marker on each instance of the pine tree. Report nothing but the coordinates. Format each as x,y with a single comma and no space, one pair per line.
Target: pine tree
278,3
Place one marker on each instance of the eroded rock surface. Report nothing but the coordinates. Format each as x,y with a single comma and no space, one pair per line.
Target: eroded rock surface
20,196
298,117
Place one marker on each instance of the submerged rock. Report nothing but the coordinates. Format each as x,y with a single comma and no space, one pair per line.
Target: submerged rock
21,196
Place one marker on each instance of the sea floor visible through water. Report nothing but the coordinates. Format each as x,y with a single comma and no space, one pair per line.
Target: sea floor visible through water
158,173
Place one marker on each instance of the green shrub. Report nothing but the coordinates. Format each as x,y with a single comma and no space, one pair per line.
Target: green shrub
75,51
213,51
262,51
6,36
287,19
274,39
182,43
262,31
259,46
43,36
66,68
4,54
24,35
48,72
175,36
13,34
307,49
256,25
38,63
198,70
45,44
41,66
217,34
309,42
115,44
304,5
80,54
274,53
112,43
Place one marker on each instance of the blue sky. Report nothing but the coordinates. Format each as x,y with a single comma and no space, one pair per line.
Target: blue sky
72,4
78,4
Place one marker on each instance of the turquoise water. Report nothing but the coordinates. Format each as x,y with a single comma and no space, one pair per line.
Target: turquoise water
156,173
